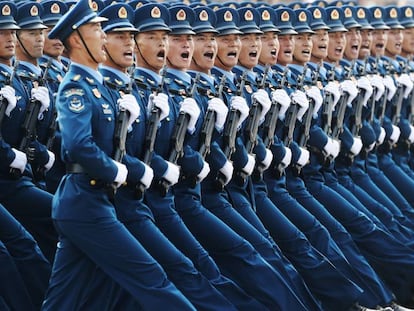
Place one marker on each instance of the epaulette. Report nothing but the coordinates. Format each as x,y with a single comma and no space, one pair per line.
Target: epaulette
76,78
90,80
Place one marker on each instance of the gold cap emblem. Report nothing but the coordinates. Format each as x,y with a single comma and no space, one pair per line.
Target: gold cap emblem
181,16
122,13
285,16
248,15
302,17
34,11
408,12
335,15
265,15
317,14
393,13
361,13
203,16
155,12
348,12
55,8
228,17
377,13
6,11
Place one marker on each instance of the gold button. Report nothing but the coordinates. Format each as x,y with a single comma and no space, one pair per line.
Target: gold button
92,182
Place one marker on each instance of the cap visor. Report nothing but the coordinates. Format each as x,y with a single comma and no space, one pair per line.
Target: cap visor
9,26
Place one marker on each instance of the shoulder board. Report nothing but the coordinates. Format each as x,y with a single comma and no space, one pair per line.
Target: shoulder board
76,78
90,80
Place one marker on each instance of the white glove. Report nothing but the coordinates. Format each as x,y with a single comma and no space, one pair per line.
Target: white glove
190,107
315,93
395,135
282,98
304,157
20,160
227,171
41,94
121,175
263,99
381,136
221,110
204,172
248,168
349,87
268,159
239,103
161,102
300,99
9,93
333,88
370,147
287,159
377,82
51,161
356,146
411,136
365,84
332,147
129,103
390,85
172,173
148,176
405,80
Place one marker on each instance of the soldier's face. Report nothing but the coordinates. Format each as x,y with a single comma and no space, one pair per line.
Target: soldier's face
228,51
286,47
120,47
379,40
394,43
53,47
366,42
7,45
251,46
33,42
180,52
151,50
353,43
320,42
303,48
270,48
408,42
205,51
336,46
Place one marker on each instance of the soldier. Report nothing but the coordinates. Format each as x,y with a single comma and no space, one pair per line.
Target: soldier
83,211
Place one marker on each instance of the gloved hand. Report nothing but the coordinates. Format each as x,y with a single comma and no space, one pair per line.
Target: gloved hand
267,160
405,80
263,99
161,102
411,136
227,171
51,161
129,103
19,161
221,110
381,136
282,98
332,147
41,94
248,168
300,99
395,135
121,175
390,85
377,82
349,87
287,158
37,154
239,103
189,106
333,88
204,171
9,93
303,158
314,93
364,84
148,176
172,173
356,146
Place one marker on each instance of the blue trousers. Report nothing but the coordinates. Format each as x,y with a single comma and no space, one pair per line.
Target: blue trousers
386,254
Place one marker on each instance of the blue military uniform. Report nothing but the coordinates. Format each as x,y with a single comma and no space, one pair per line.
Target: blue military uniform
82,210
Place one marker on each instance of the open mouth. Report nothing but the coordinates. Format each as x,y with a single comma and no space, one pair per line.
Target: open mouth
364,47
273,52
209,55
185,55
232,54
379,45
306,52
161,54
398,45
253,54
128,54
287,52
322,47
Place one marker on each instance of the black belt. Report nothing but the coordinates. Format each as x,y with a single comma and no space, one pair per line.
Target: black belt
75,168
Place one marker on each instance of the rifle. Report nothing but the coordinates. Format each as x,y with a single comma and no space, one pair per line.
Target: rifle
357,120
380,113
327,105
178,137
398,100
290,120
252,126
3,101
230,131
151,133
371,102
30,121
120,136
